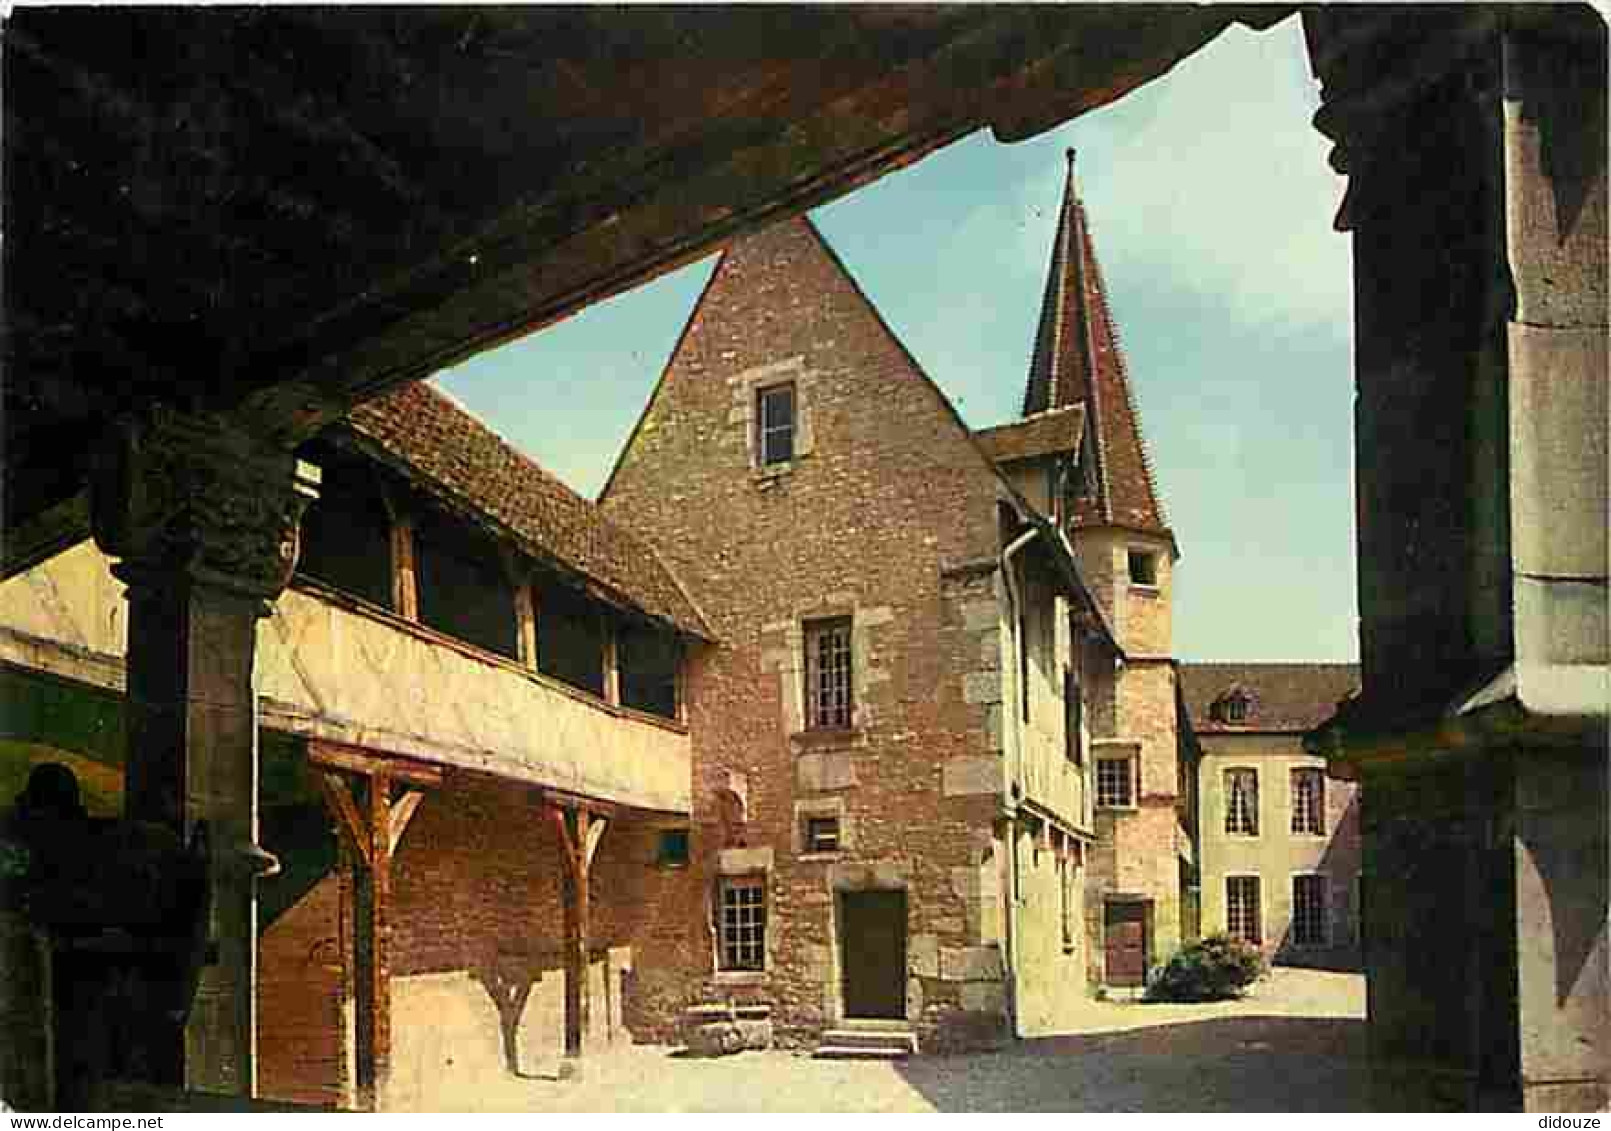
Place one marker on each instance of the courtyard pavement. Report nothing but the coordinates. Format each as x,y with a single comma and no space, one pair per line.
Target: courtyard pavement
1295,1043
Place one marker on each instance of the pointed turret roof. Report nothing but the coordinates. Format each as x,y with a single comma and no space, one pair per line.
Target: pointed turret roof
1077,361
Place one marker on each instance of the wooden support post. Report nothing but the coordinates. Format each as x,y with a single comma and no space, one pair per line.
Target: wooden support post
372,947
371,828
526,624
405,576
579,835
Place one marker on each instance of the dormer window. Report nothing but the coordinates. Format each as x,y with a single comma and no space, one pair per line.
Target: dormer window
774,424
1234,707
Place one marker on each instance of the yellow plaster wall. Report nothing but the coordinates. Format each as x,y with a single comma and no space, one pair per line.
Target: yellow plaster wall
370,679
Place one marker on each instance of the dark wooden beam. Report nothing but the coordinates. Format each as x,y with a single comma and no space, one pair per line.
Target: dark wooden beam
579,834
371,827
560,799
367,763
372,998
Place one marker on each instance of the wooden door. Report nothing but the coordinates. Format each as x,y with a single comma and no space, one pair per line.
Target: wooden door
873,953
1125,938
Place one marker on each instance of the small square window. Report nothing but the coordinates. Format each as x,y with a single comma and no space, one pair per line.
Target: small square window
1114,784
822,834
1144,568
774,424
672,850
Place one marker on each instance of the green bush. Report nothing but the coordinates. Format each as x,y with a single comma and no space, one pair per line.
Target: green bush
1210,969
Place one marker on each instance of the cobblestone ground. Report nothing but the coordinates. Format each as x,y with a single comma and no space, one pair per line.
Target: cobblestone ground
1295,1043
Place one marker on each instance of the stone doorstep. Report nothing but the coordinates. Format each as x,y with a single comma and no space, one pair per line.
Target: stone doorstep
867,1040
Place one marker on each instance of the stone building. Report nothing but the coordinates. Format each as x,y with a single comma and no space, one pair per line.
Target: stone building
943,705
470,694
1277,840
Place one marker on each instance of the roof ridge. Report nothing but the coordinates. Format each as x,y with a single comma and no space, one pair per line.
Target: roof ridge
1086,249
1125,383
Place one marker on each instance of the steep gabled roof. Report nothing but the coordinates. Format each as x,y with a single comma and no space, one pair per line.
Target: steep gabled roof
1052,432
1281,697
1077,361
1057,429
457,458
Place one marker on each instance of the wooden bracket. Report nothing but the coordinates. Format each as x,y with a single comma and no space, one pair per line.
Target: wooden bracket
354,760
402,812
345,810
578,847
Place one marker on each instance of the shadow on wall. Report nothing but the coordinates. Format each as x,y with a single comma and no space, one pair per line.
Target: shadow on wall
1228,1064
1571,863
509,977
1340,865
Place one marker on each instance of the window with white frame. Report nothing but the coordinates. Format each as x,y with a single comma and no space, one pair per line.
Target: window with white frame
1115,783
741,925
1308,801
774,424
1308,910
828,673
1242,915
1242,802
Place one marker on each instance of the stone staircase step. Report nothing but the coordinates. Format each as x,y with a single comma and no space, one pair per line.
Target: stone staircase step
858,1052
874,1025
870,1040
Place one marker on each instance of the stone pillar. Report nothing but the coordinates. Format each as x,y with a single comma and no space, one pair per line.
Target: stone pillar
1555,182
1475,146
204,519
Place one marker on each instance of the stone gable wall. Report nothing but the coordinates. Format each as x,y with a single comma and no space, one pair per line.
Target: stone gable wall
888,515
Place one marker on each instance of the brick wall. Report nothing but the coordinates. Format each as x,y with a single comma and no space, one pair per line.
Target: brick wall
477,972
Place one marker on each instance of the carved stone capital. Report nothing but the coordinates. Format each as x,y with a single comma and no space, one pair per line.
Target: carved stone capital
199,495
1379,70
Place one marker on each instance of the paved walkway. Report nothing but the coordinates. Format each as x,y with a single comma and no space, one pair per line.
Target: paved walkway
1296,1043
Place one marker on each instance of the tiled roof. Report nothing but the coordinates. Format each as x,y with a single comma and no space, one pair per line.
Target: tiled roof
1077,360
1282,697
454,456
1046,433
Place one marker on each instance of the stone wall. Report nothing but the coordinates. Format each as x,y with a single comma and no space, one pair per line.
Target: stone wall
887,514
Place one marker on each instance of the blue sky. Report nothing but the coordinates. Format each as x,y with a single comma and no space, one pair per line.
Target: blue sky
1210,202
